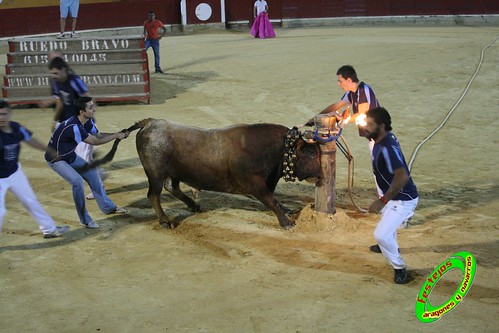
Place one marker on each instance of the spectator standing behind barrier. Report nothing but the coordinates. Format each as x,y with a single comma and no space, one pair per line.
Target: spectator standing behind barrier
12,176
153,31
399,193
65,162
262,28
66,7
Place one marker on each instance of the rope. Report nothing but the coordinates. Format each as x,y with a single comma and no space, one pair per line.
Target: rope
413,157
349,157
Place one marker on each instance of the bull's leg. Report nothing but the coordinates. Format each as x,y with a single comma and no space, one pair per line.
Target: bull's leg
285,209
262,193
172,186
154,196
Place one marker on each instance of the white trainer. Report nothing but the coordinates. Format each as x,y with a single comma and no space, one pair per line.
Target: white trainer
90,225
58,232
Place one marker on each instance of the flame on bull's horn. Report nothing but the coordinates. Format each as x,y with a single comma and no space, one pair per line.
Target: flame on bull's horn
361,120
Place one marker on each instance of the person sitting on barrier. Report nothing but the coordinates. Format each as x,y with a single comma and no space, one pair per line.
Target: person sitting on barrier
358,95
12,176
399,195
69,165
153,31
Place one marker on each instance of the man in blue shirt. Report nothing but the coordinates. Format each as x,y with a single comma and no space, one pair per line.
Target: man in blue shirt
13,178
67,135
400,195
66,87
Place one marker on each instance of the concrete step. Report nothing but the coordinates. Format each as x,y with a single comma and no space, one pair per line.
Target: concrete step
112,68
100,98
43,92
76,57
89,79
86,44
81,68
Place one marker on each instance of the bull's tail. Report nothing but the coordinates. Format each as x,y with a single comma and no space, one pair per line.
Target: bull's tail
109,156
139,124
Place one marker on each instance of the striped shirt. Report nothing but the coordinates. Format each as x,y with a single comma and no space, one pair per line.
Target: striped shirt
386,158
364,94
10,148
68,92
67,136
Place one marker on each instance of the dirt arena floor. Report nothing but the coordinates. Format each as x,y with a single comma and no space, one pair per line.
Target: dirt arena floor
231,268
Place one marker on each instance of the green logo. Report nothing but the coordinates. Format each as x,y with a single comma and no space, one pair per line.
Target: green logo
463,261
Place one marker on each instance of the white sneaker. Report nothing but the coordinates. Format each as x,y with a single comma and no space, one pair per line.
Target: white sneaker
90,225
74,35
103,174
119,210
406,223
58,232
90,196
61,35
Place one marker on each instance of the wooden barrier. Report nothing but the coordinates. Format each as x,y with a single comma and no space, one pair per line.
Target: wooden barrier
113,68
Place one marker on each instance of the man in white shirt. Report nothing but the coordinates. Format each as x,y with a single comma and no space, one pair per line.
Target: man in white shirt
260,7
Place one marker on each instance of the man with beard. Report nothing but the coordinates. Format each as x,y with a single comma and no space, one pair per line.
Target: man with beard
400,195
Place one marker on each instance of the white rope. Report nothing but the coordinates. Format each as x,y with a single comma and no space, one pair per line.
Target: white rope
413,157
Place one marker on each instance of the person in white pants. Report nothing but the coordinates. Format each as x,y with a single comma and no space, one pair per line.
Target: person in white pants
399,193
13,178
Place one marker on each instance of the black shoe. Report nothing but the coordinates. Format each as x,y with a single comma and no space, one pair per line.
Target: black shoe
376,248
159,71
402,276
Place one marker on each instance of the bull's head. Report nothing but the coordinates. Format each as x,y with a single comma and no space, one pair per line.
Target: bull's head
307,164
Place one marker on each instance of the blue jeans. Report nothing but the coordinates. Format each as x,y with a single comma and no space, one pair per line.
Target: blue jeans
154,43
75,179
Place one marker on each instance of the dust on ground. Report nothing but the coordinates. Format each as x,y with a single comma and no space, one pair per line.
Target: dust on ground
231,267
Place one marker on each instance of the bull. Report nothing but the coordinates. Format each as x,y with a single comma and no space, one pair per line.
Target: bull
240,159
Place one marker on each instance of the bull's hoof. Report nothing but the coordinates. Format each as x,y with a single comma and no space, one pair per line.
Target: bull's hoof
196,208
168,225
288,224
165,225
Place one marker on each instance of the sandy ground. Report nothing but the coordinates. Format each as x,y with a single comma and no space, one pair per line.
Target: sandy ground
231,268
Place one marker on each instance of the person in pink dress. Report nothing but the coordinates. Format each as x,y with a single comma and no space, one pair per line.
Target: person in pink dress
262,28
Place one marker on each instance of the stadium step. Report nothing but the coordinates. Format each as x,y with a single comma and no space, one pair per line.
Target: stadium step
112,68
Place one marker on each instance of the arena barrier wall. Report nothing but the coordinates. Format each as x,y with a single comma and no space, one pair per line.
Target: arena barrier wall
114,69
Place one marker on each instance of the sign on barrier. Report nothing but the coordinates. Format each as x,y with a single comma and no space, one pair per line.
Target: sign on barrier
112,68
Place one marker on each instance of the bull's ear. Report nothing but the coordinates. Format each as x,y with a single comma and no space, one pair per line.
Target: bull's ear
315,152
308,137
311,150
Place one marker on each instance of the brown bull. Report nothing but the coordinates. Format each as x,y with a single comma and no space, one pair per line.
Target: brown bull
240,159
